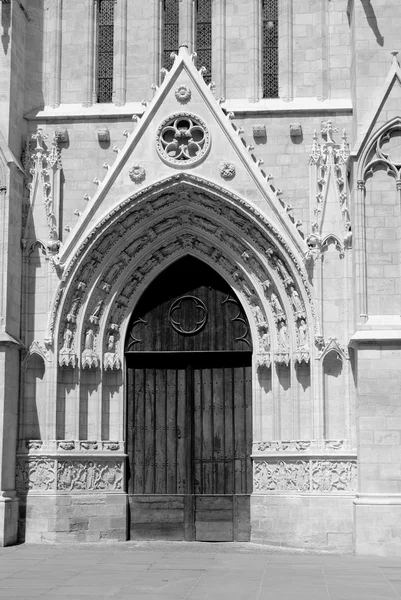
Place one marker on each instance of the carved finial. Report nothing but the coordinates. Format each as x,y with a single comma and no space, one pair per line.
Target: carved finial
106,166
116,149
260,162
221,100
87,198
135,119
269,177
145,102
126,133
394,54
173,55
154,87
327,129
163,73
40,137
67,228
96,181
77,212
212,86
250,148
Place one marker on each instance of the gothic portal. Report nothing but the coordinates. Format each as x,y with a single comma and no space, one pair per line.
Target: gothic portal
200,332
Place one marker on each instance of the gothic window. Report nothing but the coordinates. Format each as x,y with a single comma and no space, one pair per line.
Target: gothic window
170,31
105,50
270,48
203,36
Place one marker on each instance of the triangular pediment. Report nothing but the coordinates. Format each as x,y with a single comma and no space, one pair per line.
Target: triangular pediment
184,130
386,107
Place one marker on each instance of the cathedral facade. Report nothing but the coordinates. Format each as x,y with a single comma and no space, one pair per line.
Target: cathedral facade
200,325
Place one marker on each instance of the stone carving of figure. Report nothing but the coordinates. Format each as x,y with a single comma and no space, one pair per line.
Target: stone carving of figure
111,343
281,268
67,338
265,342
296,300
276,305
283,337
89,339
303,334
97,308
257,313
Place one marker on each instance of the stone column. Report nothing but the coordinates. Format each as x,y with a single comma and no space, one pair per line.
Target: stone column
120,53
285,20
254,53
186,24
90,43
55,55
360,253
219,46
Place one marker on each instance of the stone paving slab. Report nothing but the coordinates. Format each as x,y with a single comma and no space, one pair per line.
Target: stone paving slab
196,571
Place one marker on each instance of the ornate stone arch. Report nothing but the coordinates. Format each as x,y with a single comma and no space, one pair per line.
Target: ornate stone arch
184,213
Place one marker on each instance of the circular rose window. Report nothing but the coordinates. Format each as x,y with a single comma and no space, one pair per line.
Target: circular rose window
182,139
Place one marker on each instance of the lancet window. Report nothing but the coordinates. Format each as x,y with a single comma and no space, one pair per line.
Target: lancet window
105,50
170,31
203,36
270,48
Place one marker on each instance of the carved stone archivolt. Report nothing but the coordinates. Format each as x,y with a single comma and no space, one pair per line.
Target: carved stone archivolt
119,260
318,476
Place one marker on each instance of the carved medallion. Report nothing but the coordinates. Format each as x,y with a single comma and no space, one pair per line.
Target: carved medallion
137,173
183,94
227,170
182,139
199,315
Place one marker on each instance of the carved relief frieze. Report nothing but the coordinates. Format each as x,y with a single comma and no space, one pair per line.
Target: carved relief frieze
330,476
313,447
281,476
35,474
89,475
75,474
317,476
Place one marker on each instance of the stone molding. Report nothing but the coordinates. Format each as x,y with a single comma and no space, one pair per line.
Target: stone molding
377,499
320,475
320,448
68,447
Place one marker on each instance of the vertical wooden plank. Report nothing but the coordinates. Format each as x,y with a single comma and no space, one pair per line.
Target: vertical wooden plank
248,430
160,431
218,431
197,431
238,382
171,431
138,459
181,433
228,431
207,441
149,430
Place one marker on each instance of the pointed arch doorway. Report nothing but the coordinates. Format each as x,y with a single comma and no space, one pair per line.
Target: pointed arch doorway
189,413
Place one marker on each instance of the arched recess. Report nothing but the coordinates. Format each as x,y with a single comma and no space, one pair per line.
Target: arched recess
378,216
132,245
189,408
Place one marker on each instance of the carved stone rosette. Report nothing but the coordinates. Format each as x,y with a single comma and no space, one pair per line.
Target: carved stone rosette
327,475
183,93
137,173
227,170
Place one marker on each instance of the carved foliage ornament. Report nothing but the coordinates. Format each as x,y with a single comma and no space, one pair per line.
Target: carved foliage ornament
183,93
305,476
46,474
227,170
137,173
182,139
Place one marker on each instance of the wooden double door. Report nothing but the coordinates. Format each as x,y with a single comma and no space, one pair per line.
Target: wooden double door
189,419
